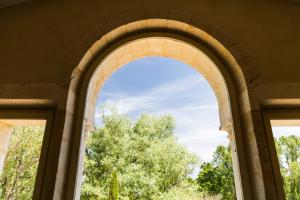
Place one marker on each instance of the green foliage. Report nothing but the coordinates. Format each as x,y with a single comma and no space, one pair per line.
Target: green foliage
20,167
128,160
216,177
187,191
151,165
288,150
114,187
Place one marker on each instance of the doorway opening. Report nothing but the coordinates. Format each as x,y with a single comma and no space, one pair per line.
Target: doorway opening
283,133
157,136
24,136
218,67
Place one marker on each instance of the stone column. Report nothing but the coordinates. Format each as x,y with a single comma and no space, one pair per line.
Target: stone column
235,161
5,134
88,128
236,168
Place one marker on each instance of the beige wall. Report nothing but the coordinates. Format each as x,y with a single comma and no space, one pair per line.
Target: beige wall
41,43
50,38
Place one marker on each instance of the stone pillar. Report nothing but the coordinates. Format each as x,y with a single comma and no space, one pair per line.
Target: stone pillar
88,128
5,134
236,168
235,161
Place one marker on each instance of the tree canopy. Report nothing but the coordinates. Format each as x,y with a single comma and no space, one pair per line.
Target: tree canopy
288,150
149,161
20,167
141,159
216,177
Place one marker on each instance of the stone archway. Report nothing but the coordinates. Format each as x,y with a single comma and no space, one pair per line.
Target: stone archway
169,39
164,47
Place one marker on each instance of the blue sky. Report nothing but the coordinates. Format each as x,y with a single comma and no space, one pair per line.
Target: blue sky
159,86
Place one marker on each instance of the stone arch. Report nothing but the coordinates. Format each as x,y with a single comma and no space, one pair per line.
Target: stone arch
164,46
157,28
166,38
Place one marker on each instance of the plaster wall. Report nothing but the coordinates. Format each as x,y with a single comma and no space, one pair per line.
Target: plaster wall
42,42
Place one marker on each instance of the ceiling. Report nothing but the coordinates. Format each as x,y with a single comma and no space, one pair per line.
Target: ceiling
6,3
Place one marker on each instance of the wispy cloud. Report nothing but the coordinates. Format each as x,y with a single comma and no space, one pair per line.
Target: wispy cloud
154,98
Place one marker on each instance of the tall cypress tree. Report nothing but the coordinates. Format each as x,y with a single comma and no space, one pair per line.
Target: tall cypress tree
114,187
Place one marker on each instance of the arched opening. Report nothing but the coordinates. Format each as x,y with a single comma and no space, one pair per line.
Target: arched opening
159,117
165,47
179,47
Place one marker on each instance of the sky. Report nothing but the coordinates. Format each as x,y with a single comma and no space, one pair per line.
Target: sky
279,131
159,86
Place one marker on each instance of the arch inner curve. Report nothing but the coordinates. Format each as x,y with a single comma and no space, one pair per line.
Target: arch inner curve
164,47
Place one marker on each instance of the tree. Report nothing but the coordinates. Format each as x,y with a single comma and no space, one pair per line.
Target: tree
114,187
216,177
18,176
288,150
147,157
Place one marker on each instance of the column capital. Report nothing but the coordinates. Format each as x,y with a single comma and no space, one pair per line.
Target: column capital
227,127
87,128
